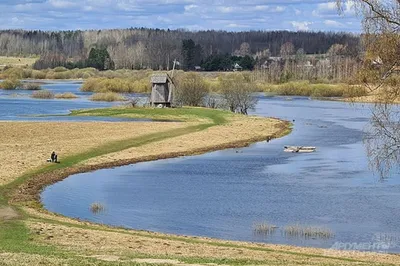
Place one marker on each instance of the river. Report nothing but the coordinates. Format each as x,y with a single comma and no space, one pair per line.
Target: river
223,194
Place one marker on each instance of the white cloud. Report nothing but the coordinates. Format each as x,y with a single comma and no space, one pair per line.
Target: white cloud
301,25
62,3
333,23
190,14
279,9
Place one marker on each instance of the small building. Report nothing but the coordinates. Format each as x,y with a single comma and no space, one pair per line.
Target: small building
237,67
162,88
198,68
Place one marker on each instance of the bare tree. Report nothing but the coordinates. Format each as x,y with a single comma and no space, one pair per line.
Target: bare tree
287,49
191,90
380,74
238,94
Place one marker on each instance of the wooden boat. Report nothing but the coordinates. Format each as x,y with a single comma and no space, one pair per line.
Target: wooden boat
301,149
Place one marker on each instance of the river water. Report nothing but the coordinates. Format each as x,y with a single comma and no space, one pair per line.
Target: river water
17,105
223,194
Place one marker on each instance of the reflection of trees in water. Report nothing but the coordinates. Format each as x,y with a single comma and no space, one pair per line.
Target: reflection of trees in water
383,138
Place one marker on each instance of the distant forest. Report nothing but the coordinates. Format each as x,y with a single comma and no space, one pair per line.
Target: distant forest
138,48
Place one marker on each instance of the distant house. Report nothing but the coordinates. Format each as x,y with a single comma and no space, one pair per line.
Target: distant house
306,65
162,88
198,68
271,60
237,67
378,63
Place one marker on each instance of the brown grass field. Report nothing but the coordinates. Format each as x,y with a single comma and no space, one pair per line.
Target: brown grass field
27,145
16,61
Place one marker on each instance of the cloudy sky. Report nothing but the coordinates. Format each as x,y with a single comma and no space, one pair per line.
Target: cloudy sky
231,15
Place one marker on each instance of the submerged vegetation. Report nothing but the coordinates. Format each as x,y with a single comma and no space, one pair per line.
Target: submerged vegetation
298,230
265,228
97,207
294,231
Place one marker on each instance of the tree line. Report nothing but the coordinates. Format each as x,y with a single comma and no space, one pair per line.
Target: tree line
139,48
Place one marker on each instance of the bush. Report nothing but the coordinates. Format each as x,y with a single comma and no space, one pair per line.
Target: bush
32,86
191,90
43,94
10,84
116,85
107,97
238,94
66,95
60,69
305,88
37,74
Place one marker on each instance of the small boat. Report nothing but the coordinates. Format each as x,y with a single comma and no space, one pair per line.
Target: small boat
302,149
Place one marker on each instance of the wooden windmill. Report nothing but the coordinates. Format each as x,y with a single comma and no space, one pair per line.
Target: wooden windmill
162,88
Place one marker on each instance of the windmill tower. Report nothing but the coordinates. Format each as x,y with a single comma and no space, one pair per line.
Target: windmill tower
162,88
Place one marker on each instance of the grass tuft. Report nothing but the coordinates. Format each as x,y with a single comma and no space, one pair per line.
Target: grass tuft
66,95
32,86
10,84
107,97
43,94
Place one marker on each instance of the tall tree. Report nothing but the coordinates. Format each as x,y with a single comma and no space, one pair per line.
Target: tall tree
100,59
287,49
188,54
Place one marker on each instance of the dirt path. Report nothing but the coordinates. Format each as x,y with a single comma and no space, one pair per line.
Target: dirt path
8,213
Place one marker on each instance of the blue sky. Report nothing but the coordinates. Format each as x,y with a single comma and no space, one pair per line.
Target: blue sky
231,15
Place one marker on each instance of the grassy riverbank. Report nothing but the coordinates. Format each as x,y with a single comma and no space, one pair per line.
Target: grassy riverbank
138,81
33,236
29,235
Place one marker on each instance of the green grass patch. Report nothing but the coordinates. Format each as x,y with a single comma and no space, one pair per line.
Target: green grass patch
182,114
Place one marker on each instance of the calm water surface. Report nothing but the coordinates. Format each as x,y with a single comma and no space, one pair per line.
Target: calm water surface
17,105
222,194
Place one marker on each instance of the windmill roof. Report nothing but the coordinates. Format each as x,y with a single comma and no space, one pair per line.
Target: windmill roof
159,78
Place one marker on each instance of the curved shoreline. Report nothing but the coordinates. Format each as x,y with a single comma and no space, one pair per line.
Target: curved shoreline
51,228
30,190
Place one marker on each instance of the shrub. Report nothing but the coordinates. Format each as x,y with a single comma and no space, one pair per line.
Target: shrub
66,95
10,84
239,94
60,69
43,94
191,90
32,86
37,74
107,97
